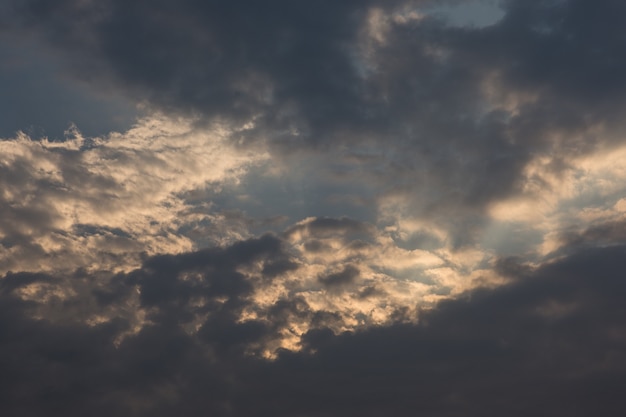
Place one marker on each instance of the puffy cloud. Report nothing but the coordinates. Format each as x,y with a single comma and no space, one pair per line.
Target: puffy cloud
333,208
101,202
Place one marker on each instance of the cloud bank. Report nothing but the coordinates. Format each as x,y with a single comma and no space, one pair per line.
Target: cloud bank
312,208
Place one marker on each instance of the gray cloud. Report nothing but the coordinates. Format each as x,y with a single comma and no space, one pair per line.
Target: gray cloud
333,208
550,340
339,279
606,234
454,114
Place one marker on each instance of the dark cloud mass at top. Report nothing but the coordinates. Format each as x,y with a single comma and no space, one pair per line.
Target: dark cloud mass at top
322,208
335,74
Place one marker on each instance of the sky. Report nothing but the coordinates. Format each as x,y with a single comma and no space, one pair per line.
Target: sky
312,208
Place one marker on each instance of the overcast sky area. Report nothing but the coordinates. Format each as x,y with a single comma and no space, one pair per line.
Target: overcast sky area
296,208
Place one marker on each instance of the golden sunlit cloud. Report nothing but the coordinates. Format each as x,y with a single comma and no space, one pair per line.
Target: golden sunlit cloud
110,199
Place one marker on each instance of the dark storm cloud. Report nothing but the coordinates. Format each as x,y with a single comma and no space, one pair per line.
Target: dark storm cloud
313,74
551,340
224,59
603,234
571,48
422,109
161,282
471,153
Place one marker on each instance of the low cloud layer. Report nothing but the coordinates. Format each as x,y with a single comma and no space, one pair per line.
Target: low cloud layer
295,208
551,339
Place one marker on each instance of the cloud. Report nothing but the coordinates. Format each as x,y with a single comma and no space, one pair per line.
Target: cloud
448,118
250,278
544,340
98,201
326,208
346,276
